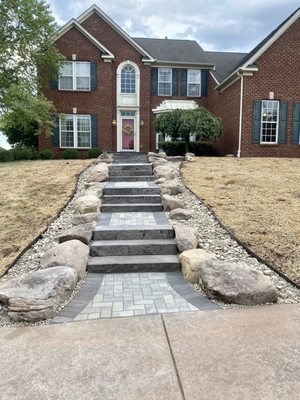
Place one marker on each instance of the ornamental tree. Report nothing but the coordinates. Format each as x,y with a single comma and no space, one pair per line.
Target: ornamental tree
183,123
27,29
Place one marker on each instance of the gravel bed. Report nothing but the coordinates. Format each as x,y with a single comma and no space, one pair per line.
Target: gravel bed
30,260
213,238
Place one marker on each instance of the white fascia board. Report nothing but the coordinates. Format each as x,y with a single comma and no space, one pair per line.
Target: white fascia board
162,63
214,78
73,23
116,27
265,46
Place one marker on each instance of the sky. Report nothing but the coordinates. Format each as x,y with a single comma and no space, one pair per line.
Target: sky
222,25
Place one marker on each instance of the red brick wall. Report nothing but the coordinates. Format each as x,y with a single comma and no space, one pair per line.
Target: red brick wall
226,105
278,72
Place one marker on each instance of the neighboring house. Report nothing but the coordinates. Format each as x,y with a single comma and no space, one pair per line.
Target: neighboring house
112,86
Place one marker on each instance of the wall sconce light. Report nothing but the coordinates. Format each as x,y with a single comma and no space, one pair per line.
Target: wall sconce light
114,122
74,110
141,123
271,95
74,57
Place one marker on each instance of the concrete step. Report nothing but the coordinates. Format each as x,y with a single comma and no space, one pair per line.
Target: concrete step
150,263
127,160
142,172
102,248
140,207
130,199
132,232
131,191
125,178
131,167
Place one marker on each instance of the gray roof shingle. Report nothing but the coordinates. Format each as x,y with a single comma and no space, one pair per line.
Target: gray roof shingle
174,50
225,62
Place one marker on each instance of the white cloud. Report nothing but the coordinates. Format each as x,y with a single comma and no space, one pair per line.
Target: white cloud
221,25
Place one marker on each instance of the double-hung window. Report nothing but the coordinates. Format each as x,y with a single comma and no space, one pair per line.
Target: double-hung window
164,81
269,121
75,75
75,131
194,82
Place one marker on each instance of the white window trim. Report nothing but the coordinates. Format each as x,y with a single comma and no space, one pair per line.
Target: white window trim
158,82
277,123
75,132
135,81
74,76
193,83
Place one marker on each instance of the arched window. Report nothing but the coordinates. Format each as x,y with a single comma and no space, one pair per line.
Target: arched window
128,79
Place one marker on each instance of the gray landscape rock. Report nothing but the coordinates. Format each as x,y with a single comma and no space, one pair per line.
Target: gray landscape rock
164,171
152,154
72,253
189,158
185,237
180,214
99,173
162,154
175,158
157,161
191,262
37,295
172,187
161,180
91,185
105,158
87,204
82,232
170,202
79,219
189,155
94,191
234,283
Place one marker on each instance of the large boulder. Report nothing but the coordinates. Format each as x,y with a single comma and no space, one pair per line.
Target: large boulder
170,202
234,283
36,296
99,173
180,214
72,253
172,187
87,204
105,158
191,262
94,190
164,171
162,154
156,161
185,237
82,232
79,219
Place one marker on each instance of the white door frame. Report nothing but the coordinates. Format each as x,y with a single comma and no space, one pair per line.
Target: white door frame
136,118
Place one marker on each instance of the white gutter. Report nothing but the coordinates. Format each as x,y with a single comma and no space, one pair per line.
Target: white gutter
241,114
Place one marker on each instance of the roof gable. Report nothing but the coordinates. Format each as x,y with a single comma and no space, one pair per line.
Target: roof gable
73,23
117,28
263,46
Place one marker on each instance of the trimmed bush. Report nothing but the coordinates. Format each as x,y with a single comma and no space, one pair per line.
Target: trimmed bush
178,148
34,154
21,154
46,154
6,156
71,154
94,152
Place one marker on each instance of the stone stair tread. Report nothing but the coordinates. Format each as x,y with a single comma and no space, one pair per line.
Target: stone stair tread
131,242
136,259
131,178
111,228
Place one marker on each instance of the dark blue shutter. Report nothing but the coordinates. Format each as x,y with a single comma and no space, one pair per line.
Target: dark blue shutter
296,124
93,76
55,132
174,82
256,121
94,121
154,81
204,82
54,83
183,82
283,121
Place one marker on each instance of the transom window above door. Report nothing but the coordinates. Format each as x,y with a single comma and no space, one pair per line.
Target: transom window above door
164,81
75,75
128,79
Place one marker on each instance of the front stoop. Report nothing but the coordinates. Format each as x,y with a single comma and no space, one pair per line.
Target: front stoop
133,234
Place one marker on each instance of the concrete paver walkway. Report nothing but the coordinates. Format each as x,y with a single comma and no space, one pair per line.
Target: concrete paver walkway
237,354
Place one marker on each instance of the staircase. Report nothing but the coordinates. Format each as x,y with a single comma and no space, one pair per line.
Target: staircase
133,234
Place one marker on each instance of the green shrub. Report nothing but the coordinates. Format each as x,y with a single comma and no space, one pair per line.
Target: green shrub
46,154
21,154
173,148
6,156
94,152
34,154
179,149
71,154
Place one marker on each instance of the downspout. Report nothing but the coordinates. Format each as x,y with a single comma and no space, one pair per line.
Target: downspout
241,114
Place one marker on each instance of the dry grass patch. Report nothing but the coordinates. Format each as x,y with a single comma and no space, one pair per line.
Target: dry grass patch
256,198
31,194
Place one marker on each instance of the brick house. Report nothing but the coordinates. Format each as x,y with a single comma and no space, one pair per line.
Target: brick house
113,85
